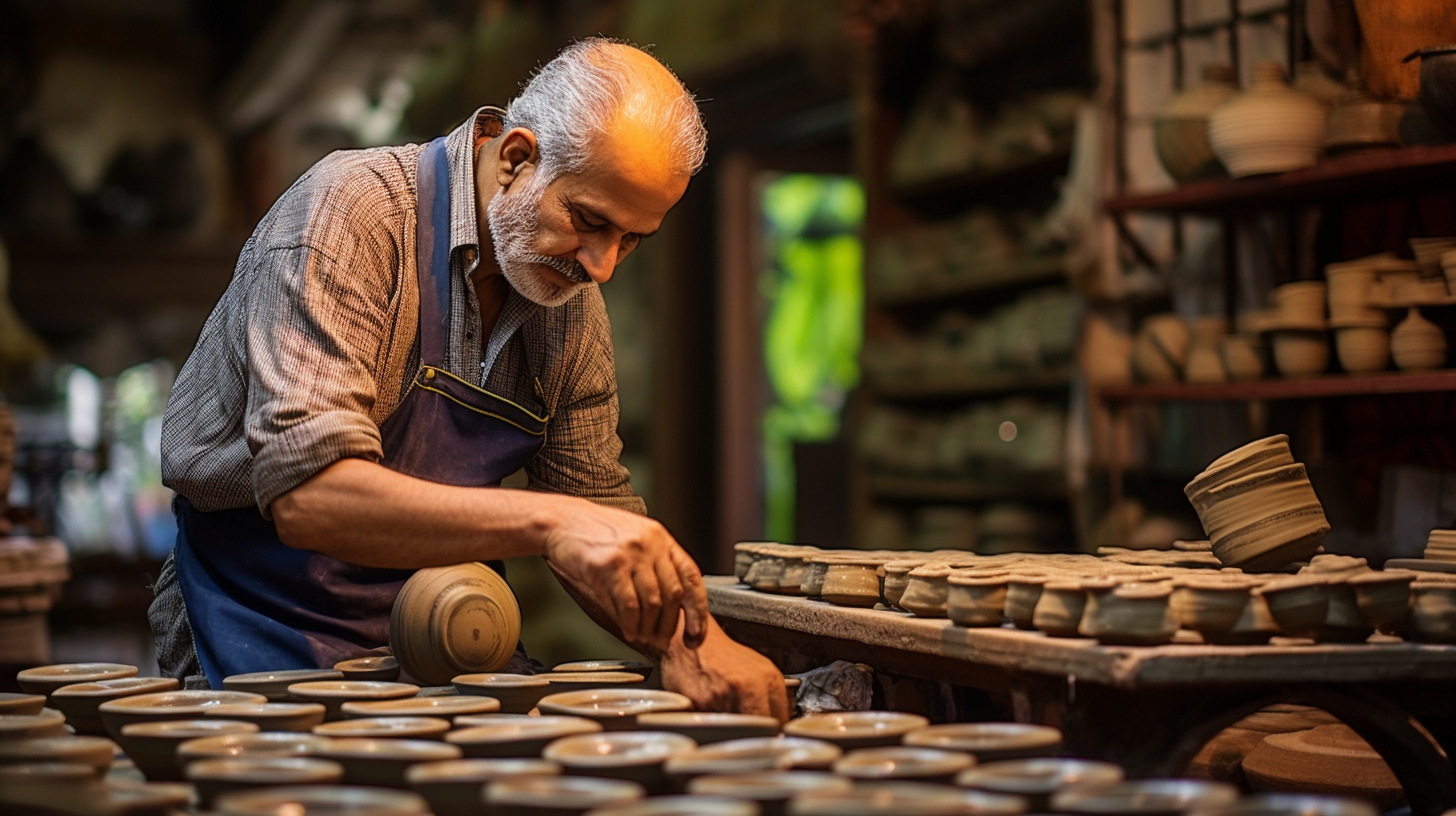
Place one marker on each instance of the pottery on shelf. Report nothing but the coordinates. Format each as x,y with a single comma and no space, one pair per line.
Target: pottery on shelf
1433,612
1060,608
448,621
1362,348
1301,352
1242,356
1023,591
1161,348
1417,344
852,582
1383,598
1129,614
1261,520
925,592
977,597
1269,128
1299,305
1299,604
1361,122
1180,129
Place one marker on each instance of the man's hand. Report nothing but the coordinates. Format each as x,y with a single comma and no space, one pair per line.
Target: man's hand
636,569
723,675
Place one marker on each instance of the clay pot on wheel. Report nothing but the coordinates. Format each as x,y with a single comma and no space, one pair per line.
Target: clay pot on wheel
449,621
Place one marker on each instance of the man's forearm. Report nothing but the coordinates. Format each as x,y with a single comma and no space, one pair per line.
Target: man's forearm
366,514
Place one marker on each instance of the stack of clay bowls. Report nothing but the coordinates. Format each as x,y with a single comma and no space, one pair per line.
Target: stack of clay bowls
1298,327
1362,334
1258,507
1441,546
449,621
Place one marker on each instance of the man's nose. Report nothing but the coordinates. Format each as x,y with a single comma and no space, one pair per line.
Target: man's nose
598,257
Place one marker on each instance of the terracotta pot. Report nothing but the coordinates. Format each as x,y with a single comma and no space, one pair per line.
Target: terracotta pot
1417,344
1180,129
1392,29
1270,128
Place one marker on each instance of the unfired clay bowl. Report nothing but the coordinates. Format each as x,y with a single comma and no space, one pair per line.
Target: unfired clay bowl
12,702
1059,610
977,598
852,582
456,787
272,716
383,762
615,709
705,727
1299,604
263,743
1145,797
93,751
167,705
1038,779
48,722
420,728
772,790
152,746
46,679
214,777
449,621
274,684
80,701
755,754
903,762
925,592
990,742
517,693
446,708
682,806
856,729
636,756
557,795
902,798
519,738
321,800
1130,614
374,667
334,693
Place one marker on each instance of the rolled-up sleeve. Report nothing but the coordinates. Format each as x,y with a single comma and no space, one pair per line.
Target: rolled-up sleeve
582,455
317,327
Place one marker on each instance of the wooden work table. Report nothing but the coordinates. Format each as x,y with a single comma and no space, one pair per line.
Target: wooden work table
1148,708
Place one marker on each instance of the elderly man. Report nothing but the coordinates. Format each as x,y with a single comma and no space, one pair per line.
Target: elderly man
371,374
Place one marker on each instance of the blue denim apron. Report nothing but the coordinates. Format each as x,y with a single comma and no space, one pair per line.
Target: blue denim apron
256,604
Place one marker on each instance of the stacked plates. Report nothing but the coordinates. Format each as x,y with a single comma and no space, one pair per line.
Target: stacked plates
1258,507
1441,546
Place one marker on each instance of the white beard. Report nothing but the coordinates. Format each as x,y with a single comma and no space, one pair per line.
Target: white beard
514,223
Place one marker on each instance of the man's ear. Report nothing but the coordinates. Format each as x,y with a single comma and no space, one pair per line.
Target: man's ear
516,157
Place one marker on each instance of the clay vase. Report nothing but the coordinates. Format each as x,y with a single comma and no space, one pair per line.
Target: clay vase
1180,129
1391,29
1417,344
1270,128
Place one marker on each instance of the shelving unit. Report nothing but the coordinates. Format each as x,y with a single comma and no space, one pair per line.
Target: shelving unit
908,53
1349,385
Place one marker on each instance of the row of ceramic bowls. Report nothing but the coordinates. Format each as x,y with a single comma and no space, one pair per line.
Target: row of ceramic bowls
842,763
1257,506
1127,597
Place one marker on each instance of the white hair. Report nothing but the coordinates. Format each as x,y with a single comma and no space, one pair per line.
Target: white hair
577,95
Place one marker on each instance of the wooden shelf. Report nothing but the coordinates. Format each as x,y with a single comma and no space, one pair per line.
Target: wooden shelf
1318,387
1011,275
945,489
958,189
1393,171
968,384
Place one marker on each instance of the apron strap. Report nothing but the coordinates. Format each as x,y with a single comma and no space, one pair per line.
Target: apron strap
432,251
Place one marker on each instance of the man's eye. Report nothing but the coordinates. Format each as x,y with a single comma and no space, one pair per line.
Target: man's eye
590,223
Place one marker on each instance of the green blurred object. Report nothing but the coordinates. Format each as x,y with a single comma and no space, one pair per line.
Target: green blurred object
815,324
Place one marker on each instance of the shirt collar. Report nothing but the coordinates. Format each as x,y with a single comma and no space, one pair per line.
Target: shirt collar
487,122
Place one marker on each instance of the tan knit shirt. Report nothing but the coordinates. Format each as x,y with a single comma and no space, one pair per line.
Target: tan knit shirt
315,340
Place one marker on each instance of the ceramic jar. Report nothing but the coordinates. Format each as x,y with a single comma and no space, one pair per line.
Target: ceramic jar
1023,592
1383,598
1180,129
1300,352
1363,348
852,582
977,598
1059,611
1204,363
1270,128
1129,615
925,594
1417,344
1358,122
1242,356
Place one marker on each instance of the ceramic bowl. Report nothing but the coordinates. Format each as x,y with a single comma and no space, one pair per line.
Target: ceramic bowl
755,754
856,729
449,621
772,790
852,582
606,665
447,708
1328,759
1363,349
272,716
817,566
1208,605
1059,610
1301,352
1383,598
152,746
517,693
1037,780
261,744
926,590
903,762
1299,604
682,806
13,702
706,727
557,795
456,787
1242,356
66,773
977,598
48,722
1290,804
46,679
1145,797
96,752
990,742
765,571
167,705
1433,612
371,761
80,701
1023,592
214,777
901,799
274,684
321,800
615,709
518,738
636,756
383,668
332,694
744,554
576,681
420,728
1129,615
